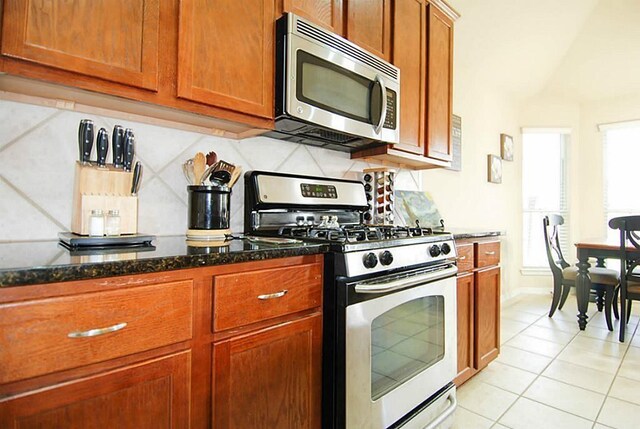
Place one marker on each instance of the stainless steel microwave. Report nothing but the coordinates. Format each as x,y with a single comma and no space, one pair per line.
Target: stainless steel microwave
330,92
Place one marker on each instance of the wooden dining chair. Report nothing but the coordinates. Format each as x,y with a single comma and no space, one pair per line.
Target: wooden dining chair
629,227
604,282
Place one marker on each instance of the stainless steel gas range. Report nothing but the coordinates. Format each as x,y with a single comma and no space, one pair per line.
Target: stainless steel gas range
389,333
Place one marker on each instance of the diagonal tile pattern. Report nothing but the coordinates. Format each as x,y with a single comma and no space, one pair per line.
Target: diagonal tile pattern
38,148
551,375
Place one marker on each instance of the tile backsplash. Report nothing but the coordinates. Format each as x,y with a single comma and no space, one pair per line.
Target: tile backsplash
38,148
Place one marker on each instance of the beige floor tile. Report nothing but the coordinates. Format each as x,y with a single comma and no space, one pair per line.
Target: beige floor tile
506,377
527,414
570,399
537,308
626,389
630,367
608,348
580,376
511,328
465,419
522,359
519,316
558,324
484,399
590,359
536,345
602,333
619,414
547,334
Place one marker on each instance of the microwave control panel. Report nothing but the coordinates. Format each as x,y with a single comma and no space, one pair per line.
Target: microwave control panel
390,119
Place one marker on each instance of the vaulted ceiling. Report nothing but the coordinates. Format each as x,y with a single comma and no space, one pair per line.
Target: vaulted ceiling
580,50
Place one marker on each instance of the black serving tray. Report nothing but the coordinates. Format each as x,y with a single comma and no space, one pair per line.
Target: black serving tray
74,241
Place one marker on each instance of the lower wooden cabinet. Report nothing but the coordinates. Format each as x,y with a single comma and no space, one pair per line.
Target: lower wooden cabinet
149,395
478,294
270,378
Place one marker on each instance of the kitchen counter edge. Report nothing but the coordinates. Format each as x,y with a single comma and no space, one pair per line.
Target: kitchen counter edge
463,235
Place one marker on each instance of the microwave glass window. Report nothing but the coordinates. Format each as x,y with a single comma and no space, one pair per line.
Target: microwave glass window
332,88
406,340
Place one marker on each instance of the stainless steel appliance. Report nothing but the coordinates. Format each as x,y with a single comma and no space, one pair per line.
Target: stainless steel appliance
330,92
389,331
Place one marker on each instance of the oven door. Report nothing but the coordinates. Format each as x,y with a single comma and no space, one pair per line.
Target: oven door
400,345
327,88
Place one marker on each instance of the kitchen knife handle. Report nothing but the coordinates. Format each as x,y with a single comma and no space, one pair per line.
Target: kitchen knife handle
87,141
129,149
137,177
103,146
117,143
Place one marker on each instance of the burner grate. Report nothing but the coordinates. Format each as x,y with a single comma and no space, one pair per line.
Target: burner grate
354,233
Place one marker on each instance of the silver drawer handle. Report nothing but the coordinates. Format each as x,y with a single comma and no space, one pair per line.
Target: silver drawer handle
462,258
96,332
489,253
273,295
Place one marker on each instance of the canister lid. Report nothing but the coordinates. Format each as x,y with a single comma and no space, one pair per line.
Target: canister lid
223,189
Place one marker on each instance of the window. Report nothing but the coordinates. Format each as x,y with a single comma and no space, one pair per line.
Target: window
620,159
544,191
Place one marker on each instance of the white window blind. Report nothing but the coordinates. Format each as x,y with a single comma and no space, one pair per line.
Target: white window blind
544,191
621,145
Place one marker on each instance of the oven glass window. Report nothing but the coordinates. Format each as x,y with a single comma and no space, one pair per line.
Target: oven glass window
332,88
406,340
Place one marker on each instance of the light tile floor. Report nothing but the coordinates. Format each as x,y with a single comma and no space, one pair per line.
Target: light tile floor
552,375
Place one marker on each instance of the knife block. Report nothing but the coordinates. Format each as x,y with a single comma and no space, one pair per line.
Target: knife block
98,188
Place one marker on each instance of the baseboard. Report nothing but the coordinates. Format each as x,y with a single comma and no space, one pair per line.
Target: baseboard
518,293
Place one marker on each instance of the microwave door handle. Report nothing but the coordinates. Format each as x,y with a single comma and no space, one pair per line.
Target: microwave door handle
383,100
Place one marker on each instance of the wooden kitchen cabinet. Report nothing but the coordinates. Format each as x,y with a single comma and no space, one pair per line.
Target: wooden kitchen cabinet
478,292
369,26
326,13
267,363
270,378
423,51
114,40
171,365
225,54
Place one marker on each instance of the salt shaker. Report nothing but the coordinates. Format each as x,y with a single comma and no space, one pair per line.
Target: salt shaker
112,226
96,223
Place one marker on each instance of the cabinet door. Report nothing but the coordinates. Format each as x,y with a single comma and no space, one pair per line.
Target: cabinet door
327,13
153,394
369,26
409,49
465,294
487,316
225,54
271,378
439,85
116,40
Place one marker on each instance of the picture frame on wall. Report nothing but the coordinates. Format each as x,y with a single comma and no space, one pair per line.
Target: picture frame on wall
494,169
506,147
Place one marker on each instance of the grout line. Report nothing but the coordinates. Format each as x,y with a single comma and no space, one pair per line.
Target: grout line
34,204
30,130
287,158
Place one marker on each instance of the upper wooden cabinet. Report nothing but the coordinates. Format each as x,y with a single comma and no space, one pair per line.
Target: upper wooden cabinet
225,54
369,26
439,84
423,51
115,40
327,13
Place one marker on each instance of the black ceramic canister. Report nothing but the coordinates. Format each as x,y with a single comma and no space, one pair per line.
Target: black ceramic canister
209,207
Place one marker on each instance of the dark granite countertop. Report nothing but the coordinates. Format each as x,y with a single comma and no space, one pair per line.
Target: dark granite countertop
26,263
463,233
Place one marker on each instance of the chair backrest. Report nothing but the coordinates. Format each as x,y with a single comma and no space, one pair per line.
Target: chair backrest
629,227
552,242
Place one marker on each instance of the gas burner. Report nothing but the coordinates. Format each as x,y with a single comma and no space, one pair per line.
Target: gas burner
355,233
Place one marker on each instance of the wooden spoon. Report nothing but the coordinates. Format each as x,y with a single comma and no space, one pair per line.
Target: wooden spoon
199,165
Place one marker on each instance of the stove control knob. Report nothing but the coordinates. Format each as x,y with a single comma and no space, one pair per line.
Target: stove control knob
434,250
446,248
370,260
386,258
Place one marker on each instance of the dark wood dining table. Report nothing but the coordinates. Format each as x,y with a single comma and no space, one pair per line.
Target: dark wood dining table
601,249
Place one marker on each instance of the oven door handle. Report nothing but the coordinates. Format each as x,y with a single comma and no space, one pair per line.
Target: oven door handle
445,414
406,282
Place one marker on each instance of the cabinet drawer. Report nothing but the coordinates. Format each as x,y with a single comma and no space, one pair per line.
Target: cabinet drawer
241,299
487,253
55,334
465,257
